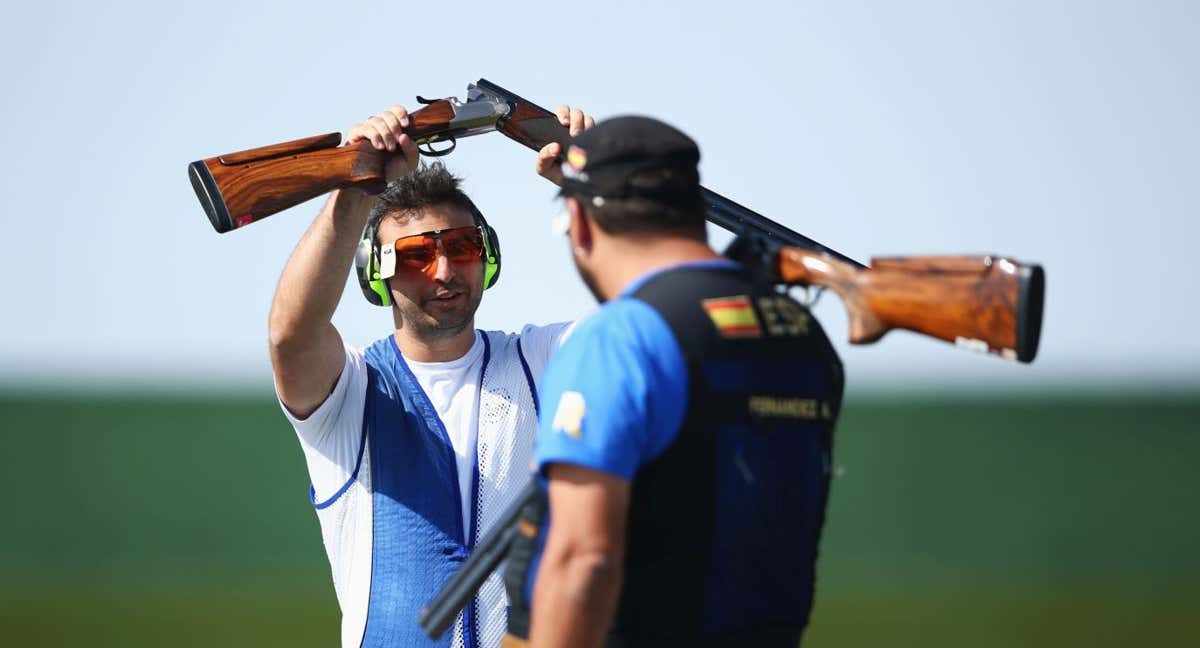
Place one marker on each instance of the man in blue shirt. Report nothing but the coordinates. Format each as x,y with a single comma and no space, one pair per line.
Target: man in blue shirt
686,427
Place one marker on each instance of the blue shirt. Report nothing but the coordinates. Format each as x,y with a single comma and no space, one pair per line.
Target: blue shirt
615,394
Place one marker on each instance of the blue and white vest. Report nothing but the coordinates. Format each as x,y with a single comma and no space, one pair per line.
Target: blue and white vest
419,538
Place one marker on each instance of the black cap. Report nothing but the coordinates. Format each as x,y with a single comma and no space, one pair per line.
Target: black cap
626,157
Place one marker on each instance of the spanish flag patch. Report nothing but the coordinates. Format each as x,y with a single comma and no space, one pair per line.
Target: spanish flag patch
576,157
733,316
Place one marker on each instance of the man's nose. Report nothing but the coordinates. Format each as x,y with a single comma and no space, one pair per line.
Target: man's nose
443,270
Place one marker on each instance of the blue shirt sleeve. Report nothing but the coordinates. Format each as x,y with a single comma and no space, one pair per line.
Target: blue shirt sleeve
615,394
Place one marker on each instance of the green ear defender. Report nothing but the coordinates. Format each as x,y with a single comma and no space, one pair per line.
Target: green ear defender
375,288
366,269
491,253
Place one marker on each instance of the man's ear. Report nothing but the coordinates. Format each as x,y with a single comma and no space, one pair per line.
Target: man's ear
580,230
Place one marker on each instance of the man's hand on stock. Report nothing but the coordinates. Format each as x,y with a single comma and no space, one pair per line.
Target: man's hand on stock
384,130
549,158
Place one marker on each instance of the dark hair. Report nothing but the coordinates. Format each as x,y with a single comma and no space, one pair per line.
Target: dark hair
663,201
427,185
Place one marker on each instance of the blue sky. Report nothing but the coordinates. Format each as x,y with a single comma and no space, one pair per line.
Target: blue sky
1063,133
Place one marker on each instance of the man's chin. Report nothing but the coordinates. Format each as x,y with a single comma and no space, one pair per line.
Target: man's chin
452,324
589,280
449,315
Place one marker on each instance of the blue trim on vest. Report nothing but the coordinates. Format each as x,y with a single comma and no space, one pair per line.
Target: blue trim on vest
537,410
362,444
471,612
487,356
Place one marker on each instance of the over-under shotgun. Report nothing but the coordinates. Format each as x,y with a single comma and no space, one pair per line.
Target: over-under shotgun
985,303
237,189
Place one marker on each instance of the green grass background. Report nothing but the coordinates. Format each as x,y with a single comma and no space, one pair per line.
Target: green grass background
1020,521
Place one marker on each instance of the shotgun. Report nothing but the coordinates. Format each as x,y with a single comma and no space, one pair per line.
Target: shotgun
985,303
237,189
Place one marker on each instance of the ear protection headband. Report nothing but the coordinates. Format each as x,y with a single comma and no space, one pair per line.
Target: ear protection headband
375,289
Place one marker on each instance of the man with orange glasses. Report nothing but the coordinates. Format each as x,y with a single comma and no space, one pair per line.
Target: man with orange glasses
415,444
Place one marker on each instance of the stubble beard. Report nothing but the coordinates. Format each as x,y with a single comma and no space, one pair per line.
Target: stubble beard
589,280
428,325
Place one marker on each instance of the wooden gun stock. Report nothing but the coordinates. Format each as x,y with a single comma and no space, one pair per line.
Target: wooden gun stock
237,189
985,303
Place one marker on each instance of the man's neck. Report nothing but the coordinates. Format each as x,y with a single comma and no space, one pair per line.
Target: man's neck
634,261
440,349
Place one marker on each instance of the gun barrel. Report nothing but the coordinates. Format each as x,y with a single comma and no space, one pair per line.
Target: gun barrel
535,127
743,221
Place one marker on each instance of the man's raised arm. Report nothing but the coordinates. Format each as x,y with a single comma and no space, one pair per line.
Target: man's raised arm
306,350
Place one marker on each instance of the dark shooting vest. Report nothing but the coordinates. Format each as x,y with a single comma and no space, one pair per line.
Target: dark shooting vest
724,524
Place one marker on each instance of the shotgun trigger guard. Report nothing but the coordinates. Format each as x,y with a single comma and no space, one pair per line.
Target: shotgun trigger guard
429,151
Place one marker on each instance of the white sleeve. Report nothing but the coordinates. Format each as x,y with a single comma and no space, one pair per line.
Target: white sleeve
538,343
332,435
